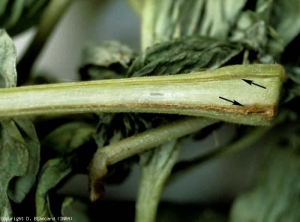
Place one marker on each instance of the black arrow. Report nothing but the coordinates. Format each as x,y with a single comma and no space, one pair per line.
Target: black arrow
233,102
250,82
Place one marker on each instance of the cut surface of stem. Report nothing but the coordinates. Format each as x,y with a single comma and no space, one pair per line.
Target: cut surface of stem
221,93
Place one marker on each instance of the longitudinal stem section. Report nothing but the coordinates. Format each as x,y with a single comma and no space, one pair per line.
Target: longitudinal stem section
222,94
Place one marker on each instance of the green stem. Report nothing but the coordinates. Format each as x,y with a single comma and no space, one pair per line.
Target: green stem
156,166
148,23
49,20
196,94
137,144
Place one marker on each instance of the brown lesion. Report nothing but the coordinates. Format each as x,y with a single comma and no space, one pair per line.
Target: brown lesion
267,111
97,171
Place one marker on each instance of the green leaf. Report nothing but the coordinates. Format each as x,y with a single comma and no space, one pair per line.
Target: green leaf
15,13
51,174
14,156
165,20
19,15
68,137
68,142
270,28
14,159
20,186
253,31
218,17
8,74
19,143
114,127
106,60
184,55
283,21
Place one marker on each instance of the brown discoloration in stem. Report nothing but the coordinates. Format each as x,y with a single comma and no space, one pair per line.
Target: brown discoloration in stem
264,112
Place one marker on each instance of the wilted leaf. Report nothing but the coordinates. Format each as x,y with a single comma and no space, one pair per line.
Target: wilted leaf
106,60
269,28
26,160
51,174
14,158
68,143
114,127
19,146
8,74
68,137
251,30
184,55
20,186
